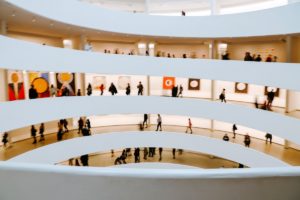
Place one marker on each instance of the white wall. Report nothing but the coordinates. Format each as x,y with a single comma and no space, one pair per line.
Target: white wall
192,50
100,46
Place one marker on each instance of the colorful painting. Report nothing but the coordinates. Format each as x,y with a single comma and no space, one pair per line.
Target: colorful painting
123,82
194,84
40,82
97,81
15,85
241,88
66,80
269,89
168,82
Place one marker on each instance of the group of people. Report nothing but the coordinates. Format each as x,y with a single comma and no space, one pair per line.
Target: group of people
258,58
117,51
113,89
177,92
147,152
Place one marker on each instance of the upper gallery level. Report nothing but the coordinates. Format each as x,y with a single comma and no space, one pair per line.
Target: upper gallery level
274,21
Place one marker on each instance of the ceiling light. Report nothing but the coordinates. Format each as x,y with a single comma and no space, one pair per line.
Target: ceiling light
13,14
33,20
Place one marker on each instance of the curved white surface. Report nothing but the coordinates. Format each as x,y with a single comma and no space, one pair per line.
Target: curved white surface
19,114
61,151
154,165
77,183
274,21
16,54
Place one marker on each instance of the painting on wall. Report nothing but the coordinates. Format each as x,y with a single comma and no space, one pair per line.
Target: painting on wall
40,82
98,81
269,89
16,89
194,84
168,82
66,80
123,82
241,88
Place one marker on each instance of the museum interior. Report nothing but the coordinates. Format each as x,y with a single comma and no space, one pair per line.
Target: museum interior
150,99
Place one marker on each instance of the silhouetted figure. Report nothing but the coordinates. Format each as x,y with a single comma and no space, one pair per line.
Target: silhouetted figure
173,153
234,128
222,96
128,89
42,130
258,58
60,134
112,89
33,93
145,153
247,140
174,91
269,58
84,160
65,92
78,92
269,137
65,123
182,13
33,134
270,96
145,120
89,90
160,150
248,57
180,91
88,124
189,127
140,88
137,155
5,139
80,125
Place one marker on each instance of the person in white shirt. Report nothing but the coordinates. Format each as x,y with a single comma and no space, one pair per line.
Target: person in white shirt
159,122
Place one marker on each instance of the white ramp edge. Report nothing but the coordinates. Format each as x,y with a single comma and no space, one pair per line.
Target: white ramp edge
61,151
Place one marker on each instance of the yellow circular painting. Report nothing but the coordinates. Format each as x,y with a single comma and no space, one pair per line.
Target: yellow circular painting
40,84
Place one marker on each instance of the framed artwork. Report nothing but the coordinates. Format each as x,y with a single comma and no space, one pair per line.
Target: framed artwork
16,89
66,80
40,82
194,84
97,81
168,83
241,88
123,82
269,89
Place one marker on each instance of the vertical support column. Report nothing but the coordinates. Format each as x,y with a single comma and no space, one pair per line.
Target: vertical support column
213,55
147,7
214,7
3,72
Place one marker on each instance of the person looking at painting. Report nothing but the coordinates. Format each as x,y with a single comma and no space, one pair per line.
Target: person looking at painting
89,90
270,97
222,96
101,89
234,128
174,91
128,89
42,130
180,91
80,125
53,91
145,120
78,92
140,88
112,89
33,93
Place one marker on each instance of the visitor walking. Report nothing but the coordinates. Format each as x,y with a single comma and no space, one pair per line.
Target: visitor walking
159,121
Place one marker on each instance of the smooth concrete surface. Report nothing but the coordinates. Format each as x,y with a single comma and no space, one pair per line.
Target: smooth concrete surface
76,183
19,114
154,165
67,149
22,55
273,21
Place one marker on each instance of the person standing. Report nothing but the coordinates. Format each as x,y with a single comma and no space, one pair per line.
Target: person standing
101,89
222,96
145,120
88,124
174,91
137,155
80,125
60,133
53,91
173,152
160,150
268,137
189,126
112,89
89,90
42,130
33,134
180,91
159,121
234,128
247,140
128,90
78,92
5,139
145,153
140,88
65,123
84,160
270,97
33,93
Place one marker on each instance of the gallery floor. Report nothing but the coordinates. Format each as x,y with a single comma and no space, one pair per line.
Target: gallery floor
290,155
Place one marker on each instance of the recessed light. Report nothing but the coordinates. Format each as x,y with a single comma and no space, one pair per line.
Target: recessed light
13,14
51,24
33,20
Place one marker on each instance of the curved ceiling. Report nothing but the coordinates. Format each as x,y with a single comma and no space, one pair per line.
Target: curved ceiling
160,6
